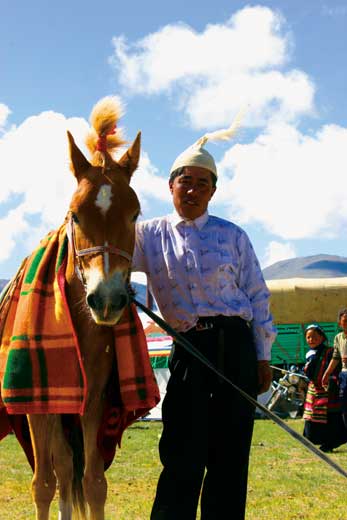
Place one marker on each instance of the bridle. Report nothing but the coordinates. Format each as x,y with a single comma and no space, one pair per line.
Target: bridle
105,250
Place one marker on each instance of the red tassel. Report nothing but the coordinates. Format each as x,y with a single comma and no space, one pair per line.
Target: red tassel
101,144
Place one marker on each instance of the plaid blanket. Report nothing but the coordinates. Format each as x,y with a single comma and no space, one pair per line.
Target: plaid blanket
41,368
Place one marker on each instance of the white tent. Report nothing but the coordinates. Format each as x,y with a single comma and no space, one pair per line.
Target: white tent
306,300
159,347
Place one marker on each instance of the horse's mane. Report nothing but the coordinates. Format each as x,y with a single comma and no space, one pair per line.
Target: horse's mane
103,119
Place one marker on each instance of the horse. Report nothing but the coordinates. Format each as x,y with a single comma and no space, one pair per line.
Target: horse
100,227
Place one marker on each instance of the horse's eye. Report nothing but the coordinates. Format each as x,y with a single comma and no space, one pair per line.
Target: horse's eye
74,218
135,217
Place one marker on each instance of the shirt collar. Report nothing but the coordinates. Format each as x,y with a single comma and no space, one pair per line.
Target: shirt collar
199,222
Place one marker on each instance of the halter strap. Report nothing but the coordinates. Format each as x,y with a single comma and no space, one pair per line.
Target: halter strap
103,249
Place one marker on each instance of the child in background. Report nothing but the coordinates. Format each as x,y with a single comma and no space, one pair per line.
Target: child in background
322,415
340,358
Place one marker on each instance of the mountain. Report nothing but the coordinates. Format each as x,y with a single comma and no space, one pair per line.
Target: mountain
317,266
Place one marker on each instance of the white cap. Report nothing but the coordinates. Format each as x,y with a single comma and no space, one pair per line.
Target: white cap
195,155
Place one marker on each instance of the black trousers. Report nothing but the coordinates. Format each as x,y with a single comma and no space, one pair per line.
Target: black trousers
207,427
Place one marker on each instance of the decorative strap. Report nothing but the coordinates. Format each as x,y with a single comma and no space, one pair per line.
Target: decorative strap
103,249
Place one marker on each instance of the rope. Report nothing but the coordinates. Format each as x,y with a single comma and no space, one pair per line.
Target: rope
194,352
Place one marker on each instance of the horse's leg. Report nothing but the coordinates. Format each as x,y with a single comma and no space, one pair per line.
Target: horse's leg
63,467
44,480
94,481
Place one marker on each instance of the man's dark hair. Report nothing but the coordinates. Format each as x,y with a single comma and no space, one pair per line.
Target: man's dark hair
180,171
341,313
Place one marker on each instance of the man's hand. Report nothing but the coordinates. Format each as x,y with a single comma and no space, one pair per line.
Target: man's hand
264,376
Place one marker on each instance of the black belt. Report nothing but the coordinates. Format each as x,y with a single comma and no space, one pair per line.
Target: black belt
215,322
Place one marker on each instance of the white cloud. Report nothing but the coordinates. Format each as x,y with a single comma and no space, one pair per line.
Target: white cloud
211,74
286,181
277,251
148,184
35,158
139,278
4,113
336,11
11,226
291,183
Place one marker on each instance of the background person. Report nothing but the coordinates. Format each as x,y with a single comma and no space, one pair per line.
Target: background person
208,285
340,357
322,411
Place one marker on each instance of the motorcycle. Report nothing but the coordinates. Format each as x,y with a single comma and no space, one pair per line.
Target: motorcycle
288,393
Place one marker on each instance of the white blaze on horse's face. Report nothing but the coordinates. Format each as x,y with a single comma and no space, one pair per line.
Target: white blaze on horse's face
106,299
106,260
104,198
103,201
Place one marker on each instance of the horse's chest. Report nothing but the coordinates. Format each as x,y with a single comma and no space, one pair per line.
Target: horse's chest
98,358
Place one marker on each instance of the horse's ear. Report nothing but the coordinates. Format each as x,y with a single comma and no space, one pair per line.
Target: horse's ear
78,162
130,159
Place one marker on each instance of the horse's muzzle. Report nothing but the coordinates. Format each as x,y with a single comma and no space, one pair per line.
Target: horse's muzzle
106,309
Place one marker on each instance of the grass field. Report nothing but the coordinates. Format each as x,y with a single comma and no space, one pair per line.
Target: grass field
286,481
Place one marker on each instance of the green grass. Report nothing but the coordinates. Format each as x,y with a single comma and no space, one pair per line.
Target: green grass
286,482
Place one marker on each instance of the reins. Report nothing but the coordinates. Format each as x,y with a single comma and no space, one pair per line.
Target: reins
195,352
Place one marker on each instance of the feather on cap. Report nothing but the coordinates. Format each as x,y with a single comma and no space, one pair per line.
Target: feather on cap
196,155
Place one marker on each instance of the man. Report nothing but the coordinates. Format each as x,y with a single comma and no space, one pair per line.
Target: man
339,358
208,285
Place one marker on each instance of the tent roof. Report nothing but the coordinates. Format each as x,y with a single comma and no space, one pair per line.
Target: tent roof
305,300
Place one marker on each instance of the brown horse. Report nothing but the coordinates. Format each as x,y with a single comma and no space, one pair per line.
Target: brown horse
101,229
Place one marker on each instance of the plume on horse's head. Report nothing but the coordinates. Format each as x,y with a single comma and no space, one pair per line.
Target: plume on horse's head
104,136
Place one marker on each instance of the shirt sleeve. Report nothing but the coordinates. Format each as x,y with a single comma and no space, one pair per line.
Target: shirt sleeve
252,283
336,351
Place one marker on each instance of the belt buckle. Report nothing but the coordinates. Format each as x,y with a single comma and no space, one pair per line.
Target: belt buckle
203,326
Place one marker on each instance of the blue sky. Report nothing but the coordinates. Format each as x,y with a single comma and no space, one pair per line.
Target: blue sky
181,69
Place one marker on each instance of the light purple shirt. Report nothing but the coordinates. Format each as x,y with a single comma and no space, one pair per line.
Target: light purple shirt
204,267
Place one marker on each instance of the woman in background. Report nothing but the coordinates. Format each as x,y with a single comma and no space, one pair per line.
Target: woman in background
322,411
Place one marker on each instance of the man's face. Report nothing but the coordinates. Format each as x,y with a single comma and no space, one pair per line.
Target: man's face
192,191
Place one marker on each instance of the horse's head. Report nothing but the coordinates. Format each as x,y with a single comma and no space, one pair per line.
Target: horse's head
103,212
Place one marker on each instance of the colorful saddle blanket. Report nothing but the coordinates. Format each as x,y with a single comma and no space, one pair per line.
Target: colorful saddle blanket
41,368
